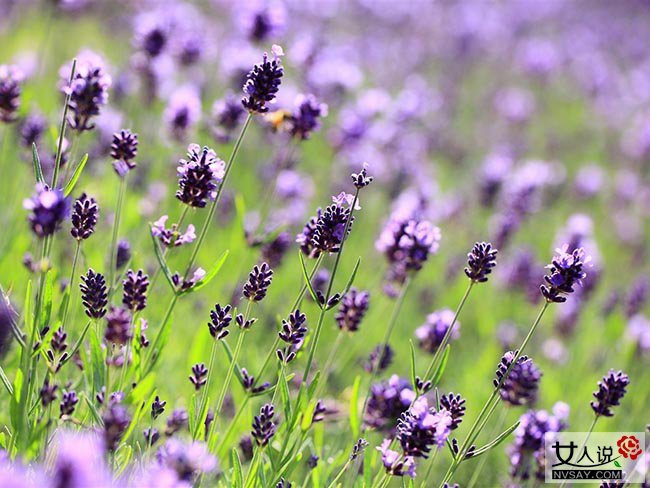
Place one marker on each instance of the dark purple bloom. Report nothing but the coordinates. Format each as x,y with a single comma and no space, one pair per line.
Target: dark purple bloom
480,262
354,306
388,400
431,334
88,91
246,447
263,82
10,80
305,238
176,421
312,462
68,403
32,129
124,149
265,22
259,280
84,217
520,386
157,407
248,383
198,176
358,448
324,232
283,484
151,436
151,35
199,375
361,179
379,359
566,271
244,323
319,412
263,425
118,327
420,428
637,296
183,111
305,118
135,287
293,333
47,393
455,405
123,254
611,391
220,319
116,420
48,209
273,252
228,114
393,462
94,294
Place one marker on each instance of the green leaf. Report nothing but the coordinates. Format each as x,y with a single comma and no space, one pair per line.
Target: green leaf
348,285
6,382
161,261
284,395
311,390
498,440
305,275
144,387
413,380
237,475
437,375
96,361
46,300
38,171
354,408
93,410
77,344
210,275
77,173
14,405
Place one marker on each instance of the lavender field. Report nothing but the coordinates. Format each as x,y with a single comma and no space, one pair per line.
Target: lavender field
320,243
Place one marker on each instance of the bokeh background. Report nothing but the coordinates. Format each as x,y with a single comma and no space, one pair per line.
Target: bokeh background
525,123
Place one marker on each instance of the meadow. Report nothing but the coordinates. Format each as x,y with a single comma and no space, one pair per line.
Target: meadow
279,215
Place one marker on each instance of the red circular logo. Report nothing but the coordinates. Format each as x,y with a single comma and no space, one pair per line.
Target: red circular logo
628,446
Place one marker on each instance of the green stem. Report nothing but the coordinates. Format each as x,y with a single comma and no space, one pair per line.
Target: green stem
64,315
584,442
495,431
488,406
206,389
445,340
340,473
231,427
154,353
156,275
64,121
116,228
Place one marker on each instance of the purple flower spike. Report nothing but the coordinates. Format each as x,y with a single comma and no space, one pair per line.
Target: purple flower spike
124,149
566,271
263,82
421,428
354,306
430,334
521,385
48,209
198,176
480,262
84,217
611,391
10,80
263,425
94,294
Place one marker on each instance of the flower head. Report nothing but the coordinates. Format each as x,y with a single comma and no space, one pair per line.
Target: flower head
420,428
182,112
94,294
263,425
387,401
220,319
566,271
455,405
116,420
393,463
124,148
173,235
305,118
611,391
199,375
259,280
118,327
431,334
361,179
48,209
520,386
84,217
135,290
353,308
187,460
480,262
293,334
10,80
32,129
263,82
198,176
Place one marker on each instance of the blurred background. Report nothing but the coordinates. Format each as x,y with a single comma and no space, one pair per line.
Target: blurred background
525,123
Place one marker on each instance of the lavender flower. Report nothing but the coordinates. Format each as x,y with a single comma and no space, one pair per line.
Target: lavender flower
10,80
32,129
259,280
480,262
220,319
88,90
176,421
94,294
47,393
189,461
182,112
157,407
79,461
172,236
430,334
520,386
264,22
198,176
123,254
248,383
293,333
48,209
263,82
392,462
263,425
305,118
611,391
273,252
124,149
135,290
455,405
199,376
84,217
358,448
379,359
324,233
421,428
637,296
116,420
361,179
566,270
283,484
227,114
151,436
68,403
354,306
388,400
118,328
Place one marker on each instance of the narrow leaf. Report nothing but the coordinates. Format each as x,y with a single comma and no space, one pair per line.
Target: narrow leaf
237,475
354,408
498,440
210,275
305,274
96,361
38,171
46,300
77,344
230,355
437,375
77,173
161,261
6,382
348,285
413,381
93,410
284,395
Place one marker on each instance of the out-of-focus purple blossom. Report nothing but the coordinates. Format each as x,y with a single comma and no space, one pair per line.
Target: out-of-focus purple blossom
566,271
520,385
611,391
516,105
198,176
589,181
380,358
182,112
118,328
305,118
172,236
527,451
88,90
430,334
123,254
79,461
48,209
538,57
69,401
637,296
189,48
492,175
11,78
176,421
520,272
263,82
32,129
394,464
273,252
227,114
116,419
638,329
388,400
151,33
188,460
353,308
262,21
